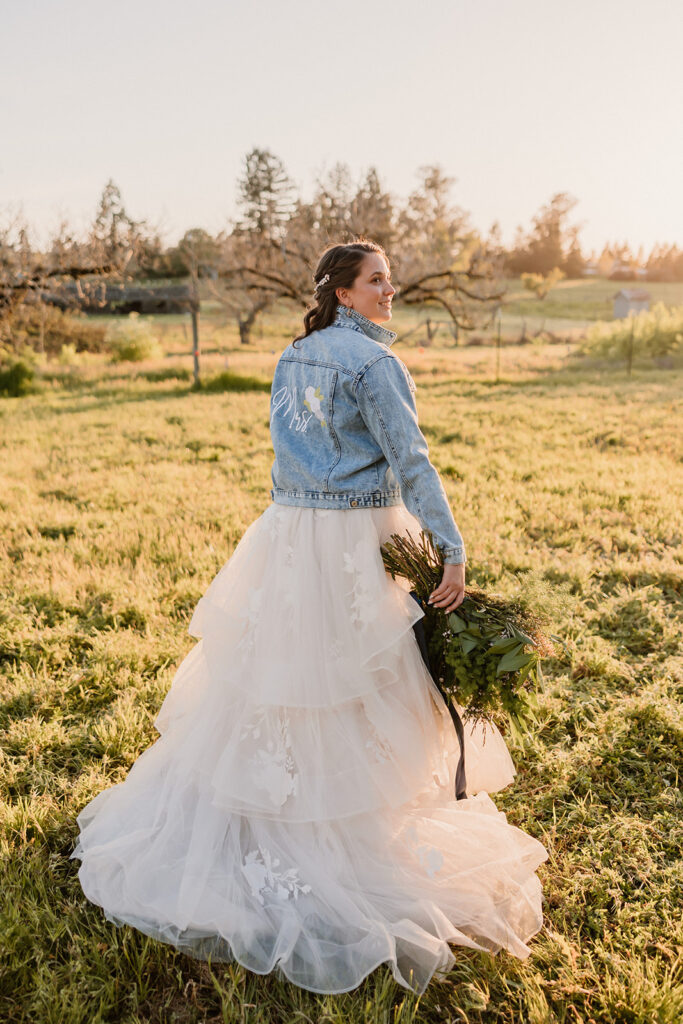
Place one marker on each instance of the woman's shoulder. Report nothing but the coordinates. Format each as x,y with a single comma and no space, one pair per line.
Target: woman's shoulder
352,350
390,367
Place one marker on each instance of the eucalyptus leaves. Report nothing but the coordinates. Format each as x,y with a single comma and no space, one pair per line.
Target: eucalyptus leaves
488,657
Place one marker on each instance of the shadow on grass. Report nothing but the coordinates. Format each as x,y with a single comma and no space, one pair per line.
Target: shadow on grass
124,391
579,371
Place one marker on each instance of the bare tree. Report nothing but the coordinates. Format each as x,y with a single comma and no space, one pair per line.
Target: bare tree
254,272
442,260
256,266
70,271
28,275
439,258
329,211
550,242
372,212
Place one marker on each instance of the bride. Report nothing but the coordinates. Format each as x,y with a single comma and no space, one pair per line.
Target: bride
297,811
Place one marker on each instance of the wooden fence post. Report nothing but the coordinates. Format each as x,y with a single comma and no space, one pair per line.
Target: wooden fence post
428,339
194,313
195,342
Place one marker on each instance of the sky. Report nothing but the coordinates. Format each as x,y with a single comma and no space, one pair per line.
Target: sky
515,99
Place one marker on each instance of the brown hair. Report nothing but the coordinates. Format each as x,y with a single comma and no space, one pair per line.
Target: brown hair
342,263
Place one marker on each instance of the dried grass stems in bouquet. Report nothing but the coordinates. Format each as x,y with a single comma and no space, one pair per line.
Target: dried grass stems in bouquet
488,658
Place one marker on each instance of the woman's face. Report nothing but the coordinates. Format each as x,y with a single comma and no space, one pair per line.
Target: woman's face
372,290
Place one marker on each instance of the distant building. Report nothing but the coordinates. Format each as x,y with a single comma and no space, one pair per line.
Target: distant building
630,299
591,269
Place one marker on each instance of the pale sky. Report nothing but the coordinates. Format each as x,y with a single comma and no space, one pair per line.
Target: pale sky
515,99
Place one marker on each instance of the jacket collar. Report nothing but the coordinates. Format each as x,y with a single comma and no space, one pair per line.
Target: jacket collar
346,317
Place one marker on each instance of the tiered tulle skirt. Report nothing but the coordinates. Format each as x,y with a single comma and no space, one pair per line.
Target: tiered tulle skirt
297,812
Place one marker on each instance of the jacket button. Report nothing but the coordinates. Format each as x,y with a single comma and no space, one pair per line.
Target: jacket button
354,503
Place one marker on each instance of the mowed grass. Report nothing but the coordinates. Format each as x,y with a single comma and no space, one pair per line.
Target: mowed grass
122,495
584,298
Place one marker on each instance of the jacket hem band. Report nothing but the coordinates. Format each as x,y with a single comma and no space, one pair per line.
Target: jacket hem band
331,499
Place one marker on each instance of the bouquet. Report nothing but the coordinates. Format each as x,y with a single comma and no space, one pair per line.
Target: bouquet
486,655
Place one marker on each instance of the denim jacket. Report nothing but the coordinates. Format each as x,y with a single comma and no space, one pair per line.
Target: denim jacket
344,427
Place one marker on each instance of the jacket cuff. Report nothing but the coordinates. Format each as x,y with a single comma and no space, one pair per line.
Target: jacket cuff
454,556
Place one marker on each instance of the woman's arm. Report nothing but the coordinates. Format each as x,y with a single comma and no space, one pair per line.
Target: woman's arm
387,405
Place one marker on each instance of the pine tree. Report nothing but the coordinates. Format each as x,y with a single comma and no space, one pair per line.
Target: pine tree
113,230
265,195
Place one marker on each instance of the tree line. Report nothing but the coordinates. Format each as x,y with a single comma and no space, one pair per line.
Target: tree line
268,252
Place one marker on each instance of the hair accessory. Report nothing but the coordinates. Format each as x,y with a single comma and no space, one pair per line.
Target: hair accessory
322,281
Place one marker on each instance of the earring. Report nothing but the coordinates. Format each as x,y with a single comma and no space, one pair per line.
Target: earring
348,310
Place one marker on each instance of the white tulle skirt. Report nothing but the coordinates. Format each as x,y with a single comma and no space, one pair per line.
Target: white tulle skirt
297,812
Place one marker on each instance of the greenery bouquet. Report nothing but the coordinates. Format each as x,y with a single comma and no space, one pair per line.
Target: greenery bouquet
486,655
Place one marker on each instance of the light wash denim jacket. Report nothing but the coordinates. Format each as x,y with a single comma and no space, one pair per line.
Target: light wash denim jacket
345,433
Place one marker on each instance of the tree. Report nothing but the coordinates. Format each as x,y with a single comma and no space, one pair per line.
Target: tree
18,273
265,194
69,269
442,260
249,275
543,248
255,271
545,244
618,263
330,208
665,263
197,254
341,211
372,211
541,284
114,235
574,262
431,220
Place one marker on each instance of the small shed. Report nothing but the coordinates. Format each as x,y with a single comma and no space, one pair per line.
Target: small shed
630,299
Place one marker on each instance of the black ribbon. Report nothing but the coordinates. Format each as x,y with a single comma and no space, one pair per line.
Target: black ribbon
460,780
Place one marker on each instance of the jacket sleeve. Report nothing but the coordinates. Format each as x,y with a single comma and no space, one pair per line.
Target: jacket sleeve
387,405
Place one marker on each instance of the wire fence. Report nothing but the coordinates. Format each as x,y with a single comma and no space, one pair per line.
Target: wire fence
509,330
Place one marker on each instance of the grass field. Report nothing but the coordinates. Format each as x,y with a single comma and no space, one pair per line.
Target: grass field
122,494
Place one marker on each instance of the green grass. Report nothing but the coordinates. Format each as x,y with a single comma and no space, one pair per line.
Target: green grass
122,494
584,299
228,381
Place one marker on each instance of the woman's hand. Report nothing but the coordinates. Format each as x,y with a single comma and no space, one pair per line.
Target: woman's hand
451,591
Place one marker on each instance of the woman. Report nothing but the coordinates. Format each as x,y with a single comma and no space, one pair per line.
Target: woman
297,813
